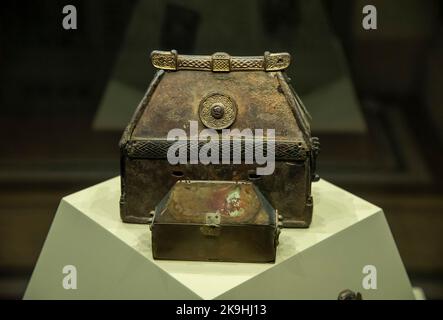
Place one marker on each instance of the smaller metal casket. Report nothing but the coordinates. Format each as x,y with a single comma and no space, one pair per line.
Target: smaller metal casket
215,221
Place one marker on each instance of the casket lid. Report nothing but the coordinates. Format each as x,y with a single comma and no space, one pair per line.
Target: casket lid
215,203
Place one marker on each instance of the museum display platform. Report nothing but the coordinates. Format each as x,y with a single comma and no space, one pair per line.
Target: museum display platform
113,260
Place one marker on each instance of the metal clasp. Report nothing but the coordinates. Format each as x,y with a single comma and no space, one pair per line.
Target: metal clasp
212,227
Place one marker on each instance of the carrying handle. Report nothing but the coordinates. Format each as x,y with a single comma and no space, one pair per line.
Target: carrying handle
220,61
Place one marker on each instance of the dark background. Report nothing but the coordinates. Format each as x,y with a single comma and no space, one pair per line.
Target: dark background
52,81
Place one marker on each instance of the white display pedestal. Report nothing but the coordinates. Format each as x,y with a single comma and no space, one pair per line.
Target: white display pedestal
113,260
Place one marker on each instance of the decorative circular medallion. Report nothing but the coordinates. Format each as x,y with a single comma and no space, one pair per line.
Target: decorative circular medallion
217,111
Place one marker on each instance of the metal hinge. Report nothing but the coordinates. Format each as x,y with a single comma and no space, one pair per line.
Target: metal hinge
315,150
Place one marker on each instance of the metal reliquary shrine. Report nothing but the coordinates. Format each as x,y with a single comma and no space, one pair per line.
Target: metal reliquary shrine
223,210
